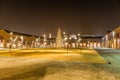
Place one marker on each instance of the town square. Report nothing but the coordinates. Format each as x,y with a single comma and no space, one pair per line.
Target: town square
59,40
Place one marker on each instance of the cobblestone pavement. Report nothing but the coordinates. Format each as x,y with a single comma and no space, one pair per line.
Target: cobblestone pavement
23,68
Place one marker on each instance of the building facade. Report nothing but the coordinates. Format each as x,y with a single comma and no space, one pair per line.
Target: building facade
112,39
9,39
20,40
16,40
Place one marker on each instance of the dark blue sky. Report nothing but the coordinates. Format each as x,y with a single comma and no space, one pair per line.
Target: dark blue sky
72,16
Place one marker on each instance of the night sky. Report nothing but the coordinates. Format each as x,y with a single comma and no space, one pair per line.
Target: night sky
72,16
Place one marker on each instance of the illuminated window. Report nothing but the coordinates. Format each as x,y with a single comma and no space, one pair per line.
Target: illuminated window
106,37
73,36
113,34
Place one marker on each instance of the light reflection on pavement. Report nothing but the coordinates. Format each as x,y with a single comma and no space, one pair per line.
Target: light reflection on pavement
78,55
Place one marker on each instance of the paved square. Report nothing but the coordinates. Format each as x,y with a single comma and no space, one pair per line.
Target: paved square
79,55
49,64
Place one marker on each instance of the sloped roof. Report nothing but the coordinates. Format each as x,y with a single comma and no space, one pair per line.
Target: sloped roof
92,37
18,33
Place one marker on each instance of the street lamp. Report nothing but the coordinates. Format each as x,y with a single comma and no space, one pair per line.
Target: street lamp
113,35
44,40
22,40
11,40
79,40
68,45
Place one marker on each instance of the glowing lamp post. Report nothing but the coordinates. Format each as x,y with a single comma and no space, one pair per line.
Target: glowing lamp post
113,35
22,40
11,40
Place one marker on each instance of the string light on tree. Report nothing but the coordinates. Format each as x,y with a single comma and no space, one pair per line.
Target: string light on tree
59,39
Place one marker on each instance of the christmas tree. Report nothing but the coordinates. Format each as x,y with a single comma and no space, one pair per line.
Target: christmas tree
59,39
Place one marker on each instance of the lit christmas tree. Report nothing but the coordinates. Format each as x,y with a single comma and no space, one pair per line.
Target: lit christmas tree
59,39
